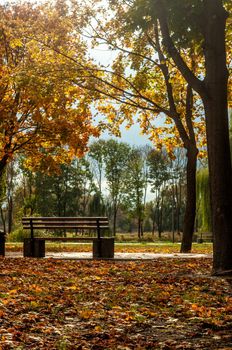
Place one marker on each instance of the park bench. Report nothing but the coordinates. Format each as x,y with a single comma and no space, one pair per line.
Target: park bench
205,237
103,247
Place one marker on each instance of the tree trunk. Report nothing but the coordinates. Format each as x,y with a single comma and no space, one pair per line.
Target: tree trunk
161,215
173,214
114,220
216,111
153,223
158,220
10,214
142,229
3,164
177,210
139,228
190,209
3,217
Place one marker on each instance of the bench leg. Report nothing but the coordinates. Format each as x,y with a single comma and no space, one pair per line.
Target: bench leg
34,248
103,249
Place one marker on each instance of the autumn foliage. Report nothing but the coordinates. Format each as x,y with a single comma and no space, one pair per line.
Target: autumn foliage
43,114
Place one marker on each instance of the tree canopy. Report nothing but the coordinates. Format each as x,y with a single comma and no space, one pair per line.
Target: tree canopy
43,113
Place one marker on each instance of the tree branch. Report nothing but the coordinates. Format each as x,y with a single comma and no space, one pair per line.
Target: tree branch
189,76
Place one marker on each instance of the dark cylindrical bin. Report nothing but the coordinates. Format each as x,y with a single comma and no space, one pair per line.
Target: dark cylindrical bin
34,248
2,243
103,248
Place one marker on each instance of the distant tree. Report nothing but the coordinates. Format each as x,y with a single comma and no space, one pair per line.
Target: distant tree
65,193
96,205
159,174
203,198
116,157
136,182
3,200
179,188
97,165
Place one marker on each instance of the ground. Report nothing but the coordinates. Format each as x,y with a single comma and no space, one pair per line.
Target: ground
150,304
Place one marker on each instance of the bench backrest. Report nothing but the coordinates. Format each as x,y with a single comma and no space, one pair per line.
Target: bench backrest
74,223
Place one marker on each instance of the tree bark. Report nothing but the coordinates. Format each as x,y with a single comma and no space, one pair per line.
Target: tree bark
10,214
190,209
216,111
173,213
114,219
139,228
158,216
177,209
3,164
3,217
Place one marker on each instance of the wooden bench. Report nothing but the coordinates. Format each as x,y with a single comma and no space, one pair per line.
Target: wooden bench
205,237
103,247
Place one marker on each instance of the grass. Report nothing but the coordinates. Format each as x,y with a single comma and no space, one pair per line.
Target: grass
120,247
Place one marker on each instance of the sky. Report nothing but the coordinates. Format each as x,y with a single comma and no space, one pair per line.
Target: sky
132,136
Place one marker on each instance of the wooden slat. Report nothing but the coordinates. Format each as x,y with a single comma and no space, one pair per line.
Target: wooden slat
65,222
54,223
73,227
66,239
66,218
69,223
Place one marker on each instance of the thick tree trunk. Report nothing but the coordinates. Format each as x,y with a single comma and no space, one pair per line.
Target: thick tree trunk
216,110
190,209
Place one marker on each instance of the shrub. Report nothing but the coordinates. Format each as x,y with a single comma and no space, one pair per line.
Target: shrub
17,235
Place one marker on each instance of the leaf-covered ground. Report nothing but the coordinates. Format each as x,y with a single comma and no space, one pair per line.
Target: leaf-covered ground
69,304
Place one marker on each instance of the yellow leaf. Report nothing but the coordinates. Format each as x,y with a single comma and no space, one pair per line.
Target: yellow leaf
13,291
72,287
85,314
16,43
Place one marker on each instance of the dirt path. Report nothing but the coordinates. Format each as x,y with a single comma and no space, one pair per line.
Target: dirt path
118,256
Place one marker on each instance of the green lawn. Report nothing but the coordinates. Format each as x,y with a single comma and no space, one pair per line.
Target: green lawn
159,247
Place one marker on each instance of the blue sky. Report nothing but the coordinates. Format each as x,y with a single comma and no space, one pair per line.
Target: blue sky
132,136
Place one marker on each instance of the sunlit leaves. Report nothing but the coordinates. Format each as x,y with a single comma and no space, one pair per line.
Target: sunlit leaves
43,112
142,83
